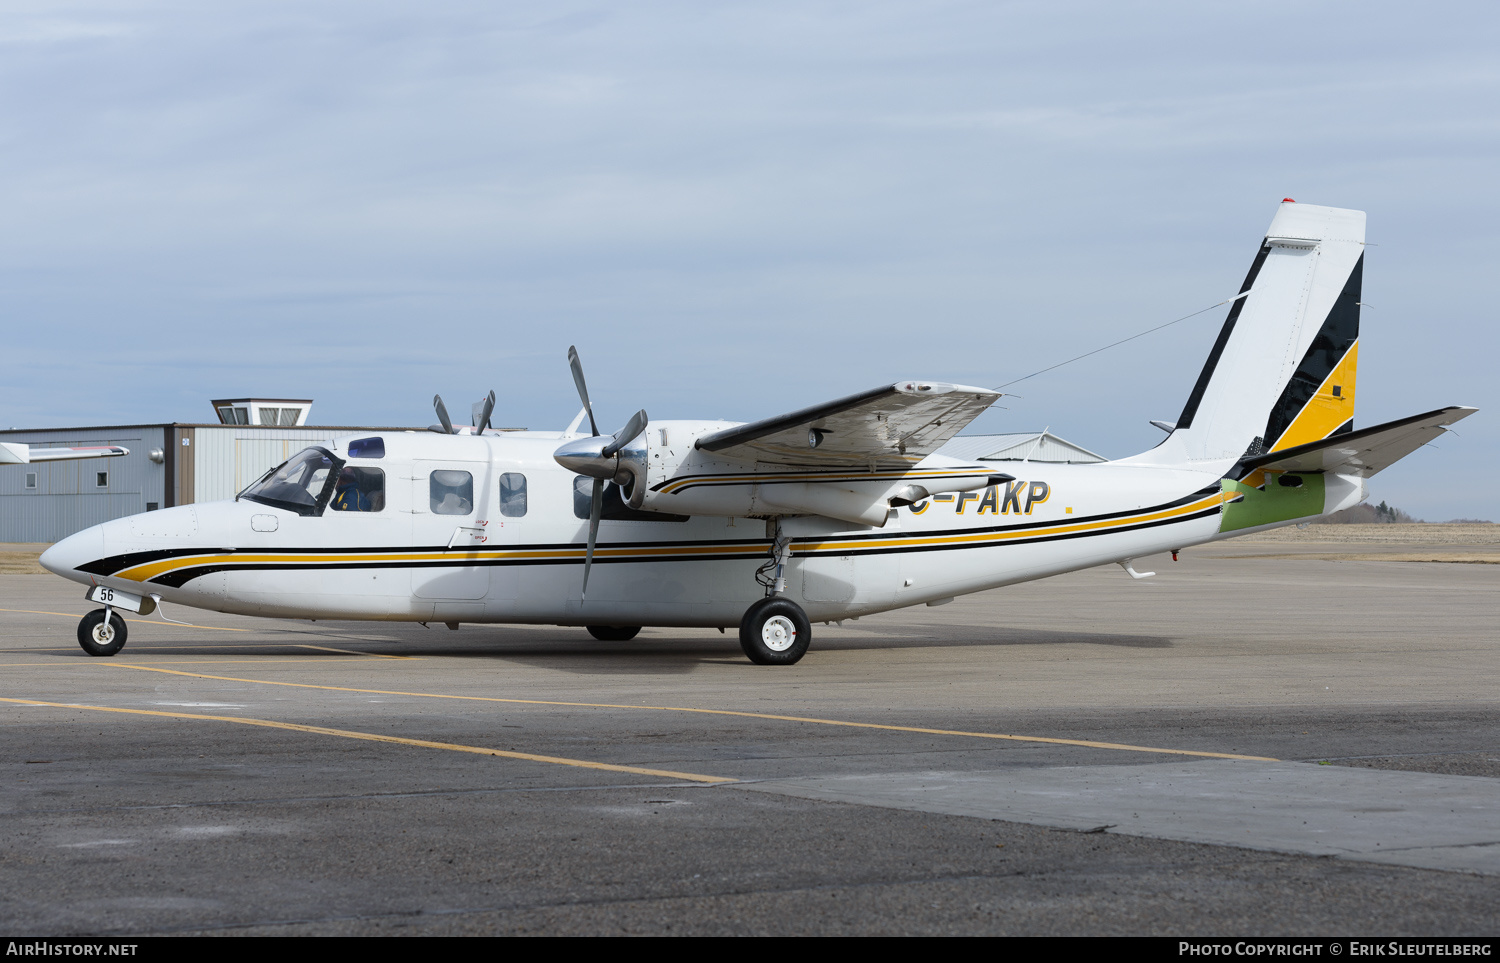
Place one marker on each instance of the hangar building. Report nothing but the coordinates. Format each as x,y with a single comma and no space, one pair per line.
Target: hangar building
169,464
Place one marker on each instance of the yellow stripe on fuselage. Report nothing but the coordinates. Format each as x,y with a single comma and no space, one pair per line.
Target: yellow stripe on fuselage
146,572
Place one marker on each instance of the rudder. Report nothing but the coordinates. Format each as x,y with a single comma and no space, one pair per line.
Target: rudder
1282,371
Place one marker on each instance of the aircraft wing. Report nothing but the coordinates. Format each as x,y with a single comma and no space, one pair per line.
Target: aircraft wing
19,453
1366,451
887,428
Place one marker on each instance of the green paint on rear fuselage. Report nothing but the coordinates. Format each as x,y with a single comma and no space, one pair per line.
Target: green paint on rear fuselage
1276,503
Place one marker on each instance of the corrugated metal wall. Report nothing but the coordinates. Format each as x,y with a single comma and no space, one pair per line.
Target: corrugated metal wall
226,459
67,497
202,463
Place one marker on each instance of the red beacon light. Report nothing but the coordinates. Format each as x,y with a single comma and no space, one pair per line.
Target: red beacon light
1288,200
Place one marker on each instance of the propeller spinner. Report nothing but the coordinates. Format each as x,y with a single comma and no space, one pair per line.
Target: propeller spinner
597,457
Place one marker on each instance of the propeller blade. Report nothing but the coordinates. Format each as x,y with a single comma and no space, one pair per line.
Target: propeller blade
596,509
583,389
482,414
626,435
442,413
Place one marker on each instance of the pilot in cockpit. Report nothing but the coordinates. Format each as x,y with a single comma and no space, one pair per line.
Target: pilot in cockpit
359,490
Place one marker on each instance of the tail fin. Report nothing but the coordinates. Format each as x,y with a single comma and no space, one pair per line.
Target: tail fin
1281,373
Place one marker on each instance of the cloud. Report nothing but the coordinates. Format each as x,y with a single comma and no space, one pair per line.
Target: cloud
733,210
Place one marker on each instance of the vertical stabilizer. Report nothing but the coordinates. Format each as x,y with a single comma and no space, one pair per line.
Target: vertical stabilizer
1282,371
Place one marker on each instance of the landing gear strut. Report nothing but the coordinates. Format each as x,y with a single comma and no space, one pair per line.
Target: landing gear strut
102,632
775,630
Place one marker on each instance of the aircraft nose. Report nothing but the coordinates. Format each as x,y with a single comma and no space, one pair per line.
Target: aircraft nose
75,550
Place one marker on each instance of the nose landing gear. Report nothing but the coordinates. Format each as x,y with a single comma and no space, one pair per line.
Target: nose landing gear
102,632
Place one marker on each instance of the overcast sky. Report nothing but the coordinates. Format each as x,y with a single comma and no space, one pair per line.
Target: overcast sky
733,210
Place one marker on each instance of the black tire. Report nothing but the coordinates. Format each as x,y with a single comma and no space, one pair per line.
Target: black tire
614,633
100,639
775,631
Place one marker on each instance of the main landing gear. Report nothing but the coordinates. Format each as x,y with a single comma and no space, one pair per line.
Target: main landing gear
614,633
775,630
102,632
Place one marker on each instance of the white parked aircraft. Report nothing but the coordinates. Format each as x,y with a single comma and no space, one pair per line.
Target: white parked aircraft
837,511
20,453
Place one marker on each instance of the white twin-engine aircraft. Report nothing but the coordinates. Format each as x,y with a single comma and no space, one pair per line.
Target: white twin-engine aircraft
834,512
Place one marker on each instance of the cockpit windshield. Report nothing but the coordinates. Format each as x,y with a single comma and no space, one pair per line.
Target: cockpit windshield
302,484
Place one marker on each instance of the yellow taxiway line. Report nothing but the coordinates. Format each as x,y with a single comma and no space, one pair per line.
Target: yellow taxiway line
186,625
396,740
368,655
89,663
1048,740
1086,743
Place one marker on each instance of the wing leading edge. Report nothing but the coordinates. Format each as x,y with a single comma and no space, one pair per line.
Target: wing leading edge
887,428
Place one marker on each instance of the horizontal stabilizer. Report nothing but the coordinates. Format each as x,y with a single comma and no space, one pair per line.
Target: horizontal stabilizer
1366,451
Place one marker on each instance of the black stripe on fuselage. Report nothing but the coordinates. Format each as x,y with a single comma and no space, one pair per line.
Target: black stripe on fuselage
118,563
181,576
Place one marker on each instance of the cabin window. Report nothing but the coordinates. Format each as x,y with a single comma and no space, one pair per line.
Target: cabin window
452,492
359,490
367,448
512,494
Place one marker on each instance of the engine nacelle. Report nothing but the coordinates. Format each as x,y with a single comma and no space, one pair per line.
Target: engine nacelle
663,472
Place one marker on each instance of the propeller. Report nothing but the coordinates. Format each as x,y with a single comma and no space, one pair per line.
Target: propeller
442,413
599,461
583,389
482,411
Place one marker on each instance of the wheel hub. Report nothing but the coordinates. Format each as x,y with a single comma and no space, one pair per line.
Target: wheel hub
779,633
104,633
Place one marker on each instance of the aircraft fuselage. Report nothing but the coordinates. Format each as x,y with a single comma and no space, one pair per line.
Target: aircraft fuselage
512,549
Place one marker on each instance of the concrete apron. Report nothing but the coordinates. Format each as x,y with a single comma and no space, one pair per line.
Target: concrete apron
1404,818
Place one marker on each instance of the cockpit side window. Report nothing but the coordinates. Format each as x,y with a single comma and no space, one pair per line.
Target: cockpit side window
302,484
358,490
451,492
512,494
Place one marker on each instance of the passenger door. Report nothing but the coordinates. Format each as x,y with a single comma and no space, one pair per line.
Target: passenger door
451,503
